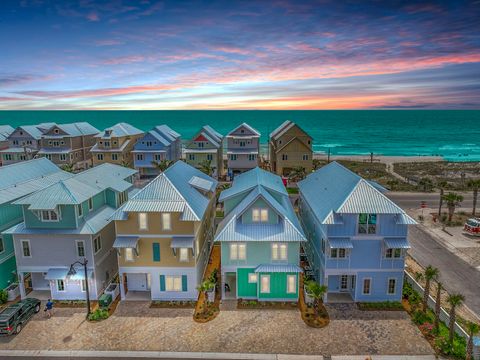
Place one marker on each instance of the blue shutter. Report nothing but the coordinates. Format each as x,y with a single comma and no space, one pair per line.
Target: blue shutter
162,282
156,251
184,282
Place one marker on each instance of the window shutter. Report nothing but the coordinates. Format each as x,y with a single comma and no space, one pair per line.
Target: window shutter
162,282
156,251
184,282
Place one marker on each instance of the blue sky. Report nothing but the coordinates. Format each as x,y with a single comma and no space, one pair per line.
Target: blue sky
239,55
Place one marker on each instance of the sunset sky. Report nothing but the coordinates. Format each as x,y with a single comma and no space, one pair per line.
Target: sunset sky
239,55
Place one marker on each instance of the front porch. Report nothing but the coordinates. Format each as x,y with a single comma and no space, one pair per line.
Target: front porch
133,295
40,294
341,288
339,298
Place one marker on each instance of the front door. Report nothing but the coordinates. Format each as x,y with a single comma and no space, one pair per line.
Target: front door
344,283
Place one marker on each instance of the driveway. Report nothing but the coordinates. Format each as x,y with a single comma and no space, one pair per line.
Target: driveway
135,326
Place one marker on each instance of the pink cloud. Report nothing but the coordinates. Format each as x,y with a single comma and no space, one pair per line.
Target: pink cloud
93,16
108,42
124,60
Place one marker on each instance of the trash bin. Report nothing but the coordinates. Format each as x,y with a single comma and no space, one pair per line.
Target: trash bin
105,300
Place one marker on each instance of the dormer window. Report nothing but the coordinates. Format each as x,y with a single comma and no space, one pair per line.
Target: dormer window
49,215
80,210
367,223
259,215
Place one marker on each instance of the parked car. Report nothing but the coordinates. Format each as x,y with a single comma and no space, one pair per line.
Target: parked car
15,316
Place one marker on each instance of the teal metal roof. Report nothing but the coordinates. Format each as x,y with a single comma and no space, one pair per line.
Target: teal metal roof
172,191
340,243
119,130
56,274
278,268
202,184
80,187
397,243
23,178
335,189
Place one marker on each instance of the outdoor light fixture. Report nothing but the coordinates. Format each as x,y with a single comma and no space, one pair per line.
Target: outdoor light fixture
72,272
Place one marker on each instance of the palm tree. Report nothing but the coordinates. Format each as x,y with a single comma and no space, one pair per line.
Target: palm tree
442,184
472,329
205,287
162,165
125,163
431,273
474,185
317,164
452,200
426,183
298,173
206,167
454,300
438,306
68,168
316,291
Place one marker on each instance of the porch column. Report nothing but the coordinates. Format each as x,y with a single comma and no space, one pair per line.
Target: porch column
21,284
122,286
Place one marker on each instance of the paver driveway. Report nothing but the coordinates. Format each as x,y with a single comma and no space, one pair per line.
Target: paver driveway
135,326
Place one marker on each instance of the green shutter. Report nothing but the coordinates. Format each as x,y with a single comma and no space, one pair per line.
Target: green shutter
162,282
184,282
156,251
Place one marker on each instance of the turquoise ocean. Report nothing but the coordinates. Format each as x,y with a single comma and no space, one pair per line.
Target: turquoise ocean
452,134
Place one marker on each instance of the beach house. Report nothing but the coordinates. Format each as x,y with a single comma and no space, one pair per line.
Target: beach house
243,149
66,222
23,143
206,147
69,144
357,237
165,235
115,144
260,239
16,181
290,147
160,143
5,131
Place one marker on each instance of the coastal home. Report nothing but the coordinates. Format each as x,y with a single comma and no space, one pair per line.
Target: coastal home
160,143
290,147
16,181
260,239
206,146
115,144
357,237
69,144
5,131
243,149
23,143
164,235
66,222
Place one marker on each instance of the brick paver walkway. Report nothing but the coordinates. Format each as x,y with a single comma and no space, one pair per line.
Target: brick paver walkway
135,326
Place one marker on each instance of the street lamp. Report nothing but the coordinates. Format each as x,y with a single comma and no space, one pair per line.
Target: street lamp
72,272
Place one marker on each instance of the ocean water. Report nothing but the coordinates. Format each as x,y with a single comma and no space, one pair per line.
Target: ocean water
452,134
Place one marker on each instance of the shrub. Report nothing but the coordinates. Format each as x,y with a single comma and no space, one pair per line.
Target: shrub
420,318
3,296
99,314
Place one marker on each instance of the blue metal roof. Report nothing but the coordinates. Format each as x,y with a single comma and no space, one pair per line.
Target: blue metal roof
5,131
335,189
119,130
75,129
182,242
397,243
340,243
122,242
57,274
278,268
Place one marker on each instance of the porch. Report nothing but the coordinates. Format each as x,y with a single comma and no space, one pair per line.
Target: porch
339,298
133,295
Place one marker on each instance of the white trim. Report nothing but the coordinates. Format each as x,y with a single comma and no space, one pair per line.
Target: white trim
255,275
29,248
295,287
84,249
369,286
100,242
140,228
394,288
261,284
169,228
64,286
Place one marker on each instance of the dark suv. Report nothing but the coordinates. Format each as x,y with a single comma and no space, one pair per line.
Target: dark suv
13,317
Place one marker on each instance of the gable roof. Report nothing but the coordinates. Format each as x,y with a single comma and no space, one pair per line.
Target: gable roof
248,127
36,131
249,179
119,130
208,133
74,129
173,191
333,189
23,178
5,131
79,187
164,134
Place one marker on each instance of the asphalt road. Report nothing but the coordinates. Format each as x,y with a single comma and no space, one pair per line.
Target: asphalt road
456,275
413,200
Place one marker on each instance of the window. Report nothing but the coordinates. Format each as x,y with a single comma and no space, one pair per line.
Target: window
148,143
367,223
139,157
284,157
97,244
142,221
209,157
60,285
114,157
252,278
233,157
341,253
63,157
48,156
242,143
291,284
15,142
166,221
279,251
238,251
391,286
191,156
201,144
90,204
259,215
252,157
100,157
393,253
129,254
305,157
157,157
80,210
338,253
183,254
173,283
49,215
265,284
8,157
83,285
26,249
397,253
2,246
344,282
80,248
367,283
264,215
107,144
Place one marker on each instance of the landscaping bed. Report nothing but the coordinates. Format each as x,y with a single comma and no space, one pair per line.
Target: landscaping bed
312,320
71,303
274,305
173,304
381,306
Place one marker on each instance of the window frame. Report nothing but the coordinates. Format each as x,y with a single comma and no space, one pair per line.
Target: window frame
23,248
169,221
140,227
49,219
95,239
276,251
251,276
369,286
290,291
77,242
262,291
80,210
63,285
394,286
184,257
237,246
367,224
2,245
173,279
127,253
90,204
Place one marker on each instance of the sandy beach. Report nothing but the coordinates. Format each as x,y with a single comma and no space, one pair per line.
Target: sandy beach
380,158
